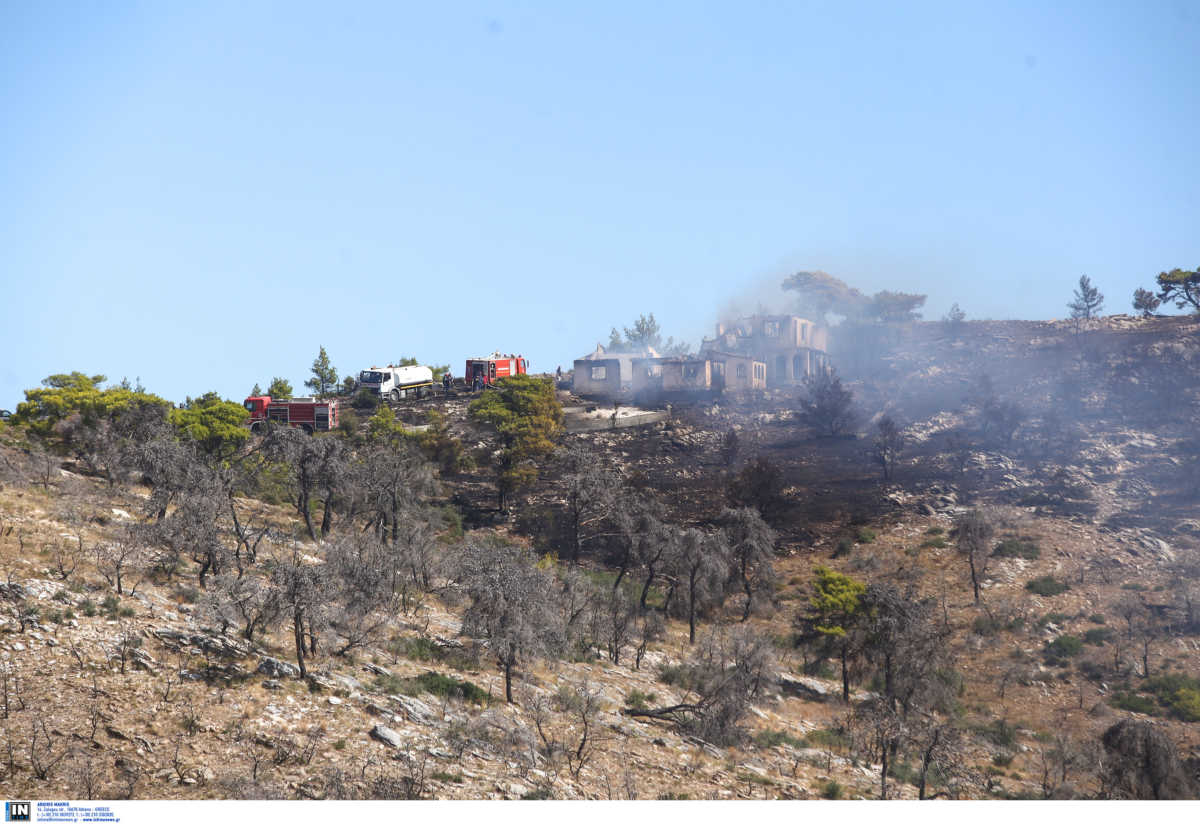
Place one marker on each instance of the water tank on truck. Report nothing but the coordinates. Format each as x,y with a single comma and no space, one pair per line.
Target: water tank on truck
395,383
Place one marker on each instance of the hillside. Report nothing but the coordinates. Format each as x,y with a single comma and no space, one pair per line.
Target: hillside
1079,444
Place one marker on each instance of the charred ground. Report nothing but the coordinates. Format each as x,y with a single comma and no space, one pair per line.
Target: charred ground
1077,438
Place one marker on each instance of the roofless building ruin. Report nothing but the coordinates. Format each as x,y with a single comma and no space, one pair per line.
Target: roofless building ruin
752,353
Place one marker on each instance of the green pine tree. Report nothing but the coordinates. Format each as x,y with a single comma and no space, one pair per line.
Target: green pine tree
324,381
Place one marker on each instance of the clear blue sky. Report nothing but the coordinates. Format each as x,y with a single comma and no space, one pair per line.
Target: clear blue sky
200,195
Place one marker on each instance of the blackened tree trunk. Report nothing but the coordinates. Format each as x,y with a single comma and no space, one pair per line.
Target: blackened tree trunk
302,502
298,632
692,604
845,673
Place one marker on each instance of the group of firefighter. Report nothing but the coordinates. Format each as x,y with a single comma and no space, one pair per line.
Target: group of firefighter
448,379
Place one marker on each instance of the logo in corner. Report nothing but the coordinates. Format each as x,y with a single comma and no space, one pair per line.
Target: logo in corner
16,810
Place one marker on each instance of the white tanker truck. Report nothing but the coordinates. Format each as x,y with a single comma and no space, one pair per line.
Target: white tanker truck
396,383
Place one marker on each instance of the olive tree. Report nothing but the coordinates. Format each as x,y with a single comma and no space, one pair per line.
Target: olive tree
512,606
751,554
973,532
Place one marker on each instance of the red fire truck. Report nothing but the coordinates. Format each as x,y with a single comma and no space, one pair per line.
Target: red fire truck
494,367
309,414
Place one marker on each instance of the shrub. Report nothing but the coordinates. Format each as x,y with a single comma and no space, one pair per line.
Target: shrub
1134,587
445,686
759,484
934,543
1046,585
1003,759
1185,704
985,625
366,400
1051,618
843,548
1063,648
1098,636
903,771
1097,618
1134,703
639,700
831,790
865,535
826,739
1017,548
675,675
416,648
773,738
934,530
447,778
1000,732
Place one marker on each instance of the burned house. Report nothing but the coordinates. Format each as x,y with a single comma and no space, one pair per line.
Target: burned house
607,374
659,379
792,347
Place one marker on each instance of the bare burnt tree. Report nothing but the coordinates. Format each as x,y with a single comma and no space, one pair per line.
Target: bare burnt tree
578,602
878,731
1001,420
618,615
636,521
1060,755
85,774
511,606
760,485
121,558
909,648
66,554
249,526
44,753
302,457
726,673
304,598
960,448
333,470
655,553
888,445
941,750
751,555
700,569
973,533
590,493
194,527
394,481
414,559
580,735
730,447
362,601
650,627
165,463
248,602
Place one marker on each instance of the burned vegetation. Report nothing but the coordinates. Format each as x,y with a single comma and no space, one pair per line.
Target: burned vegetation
955,560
